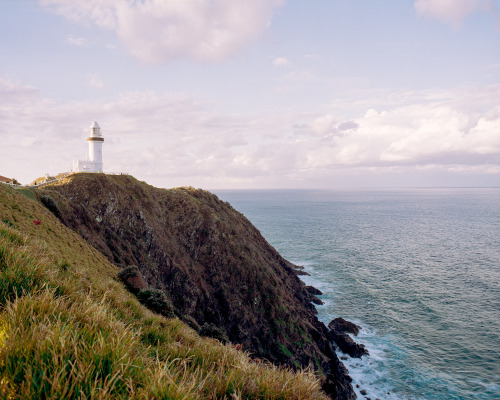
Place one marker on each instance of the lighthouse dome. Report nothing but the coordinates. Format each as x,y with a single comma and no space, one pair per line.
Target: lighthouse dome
95,129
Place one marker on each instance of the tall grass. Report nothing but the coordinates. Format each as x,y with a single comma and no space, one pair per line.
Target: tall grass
69,329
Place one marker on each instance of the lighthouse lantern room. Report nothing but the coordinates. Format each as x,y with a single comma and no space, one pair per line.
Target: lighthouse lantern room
94,161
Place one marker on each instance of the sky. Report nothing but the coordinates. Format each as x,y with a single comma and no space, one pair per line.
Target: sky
238,94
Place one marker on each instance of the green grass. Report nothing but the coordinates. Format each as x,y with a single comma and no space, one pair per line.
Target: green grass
70,330
29,193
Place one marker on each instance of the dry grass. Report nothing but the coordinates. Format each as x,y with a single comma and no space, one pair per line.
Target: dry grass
69,329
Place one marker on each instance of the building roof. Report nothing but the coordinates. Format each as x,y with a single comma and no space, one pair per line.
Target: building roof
4,179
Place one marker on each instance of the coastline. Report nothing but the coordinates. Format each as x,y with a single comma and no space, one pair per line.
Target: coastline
390,261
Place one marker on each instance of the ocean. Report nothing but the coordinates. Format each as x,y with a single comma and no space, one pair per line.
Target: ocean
417,269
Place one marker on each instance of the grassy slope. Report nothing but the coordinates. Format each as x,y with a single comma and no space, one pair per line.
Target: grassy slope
68,328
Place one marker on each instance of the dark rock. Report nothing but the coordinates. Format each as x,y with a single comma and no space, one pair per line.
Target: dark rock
344,358
363,392
340,325
304,273
312,290
345,343
348,346
317,301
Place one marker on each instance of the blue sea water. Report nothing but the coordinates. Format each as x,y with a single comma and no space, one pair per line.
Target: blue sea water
418,269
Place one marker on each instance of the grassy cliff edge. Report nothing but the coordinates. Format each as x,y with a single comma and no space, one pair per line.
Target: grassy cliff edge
69,329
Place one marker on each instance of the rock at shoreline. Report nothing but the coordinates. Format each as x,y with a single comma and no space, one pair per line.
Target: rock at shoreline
301,272
346,344
317,301
341,325
314,291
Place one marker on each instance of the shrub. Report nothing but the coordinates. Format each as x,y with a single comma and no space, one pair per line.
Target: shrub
156,300
133,279
9,222
51,205
128,272
213,331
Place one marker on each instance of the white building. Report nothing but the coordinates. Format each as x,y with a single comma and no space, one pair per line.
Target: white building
94,161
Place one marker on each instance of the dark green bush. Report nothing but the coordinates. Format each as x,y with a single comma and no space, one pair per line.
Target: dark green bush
128,272
213,331
157,301
9,222
51,205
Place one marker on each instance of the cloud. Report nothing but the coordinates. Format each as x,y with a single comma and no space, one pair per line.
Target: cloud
162,30
10,92
348,125
451,11
95,82
324,125
78,41
281,62
438,133
171,139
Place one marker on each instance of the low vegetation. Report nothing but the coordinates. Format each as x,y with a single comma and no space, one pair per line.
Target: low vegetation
70,330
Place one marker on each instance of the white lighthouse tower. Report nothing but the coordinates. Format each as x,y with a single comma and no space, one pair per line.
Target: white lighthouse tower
95,141
94,161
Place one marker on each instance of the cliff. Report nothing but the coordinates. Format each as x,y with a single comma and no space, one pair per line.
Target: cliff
210,261
70,330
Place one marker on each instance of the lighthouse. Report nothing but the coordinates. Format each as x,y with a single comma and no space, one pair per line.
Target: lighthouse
95,141
94,161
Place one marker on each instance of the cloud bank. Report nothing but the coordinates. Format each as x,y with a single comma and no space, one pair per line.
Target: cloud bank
170,139
162,30
452,11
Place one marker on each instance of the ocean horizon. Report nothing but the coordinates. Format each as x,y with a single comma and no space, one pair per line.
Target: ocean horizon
417,268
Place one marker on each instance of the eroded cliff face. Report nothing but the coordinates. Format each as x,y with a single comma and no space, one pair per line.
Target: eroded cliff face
210,260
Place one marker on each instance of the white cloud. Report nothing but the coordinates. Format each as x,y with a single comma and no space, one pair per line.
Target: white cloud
162,30
171,139
417,134
281,62
451,11
12,92
78,41
324,125
95,82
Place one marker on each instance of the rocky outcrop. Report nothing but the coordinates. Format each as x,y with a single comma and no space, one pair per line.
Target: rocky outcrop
341,325
212,263
338,328
312,290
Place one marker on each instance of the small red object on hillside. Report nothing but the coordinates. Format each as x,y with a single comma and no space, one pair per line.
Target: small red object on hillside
37,221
